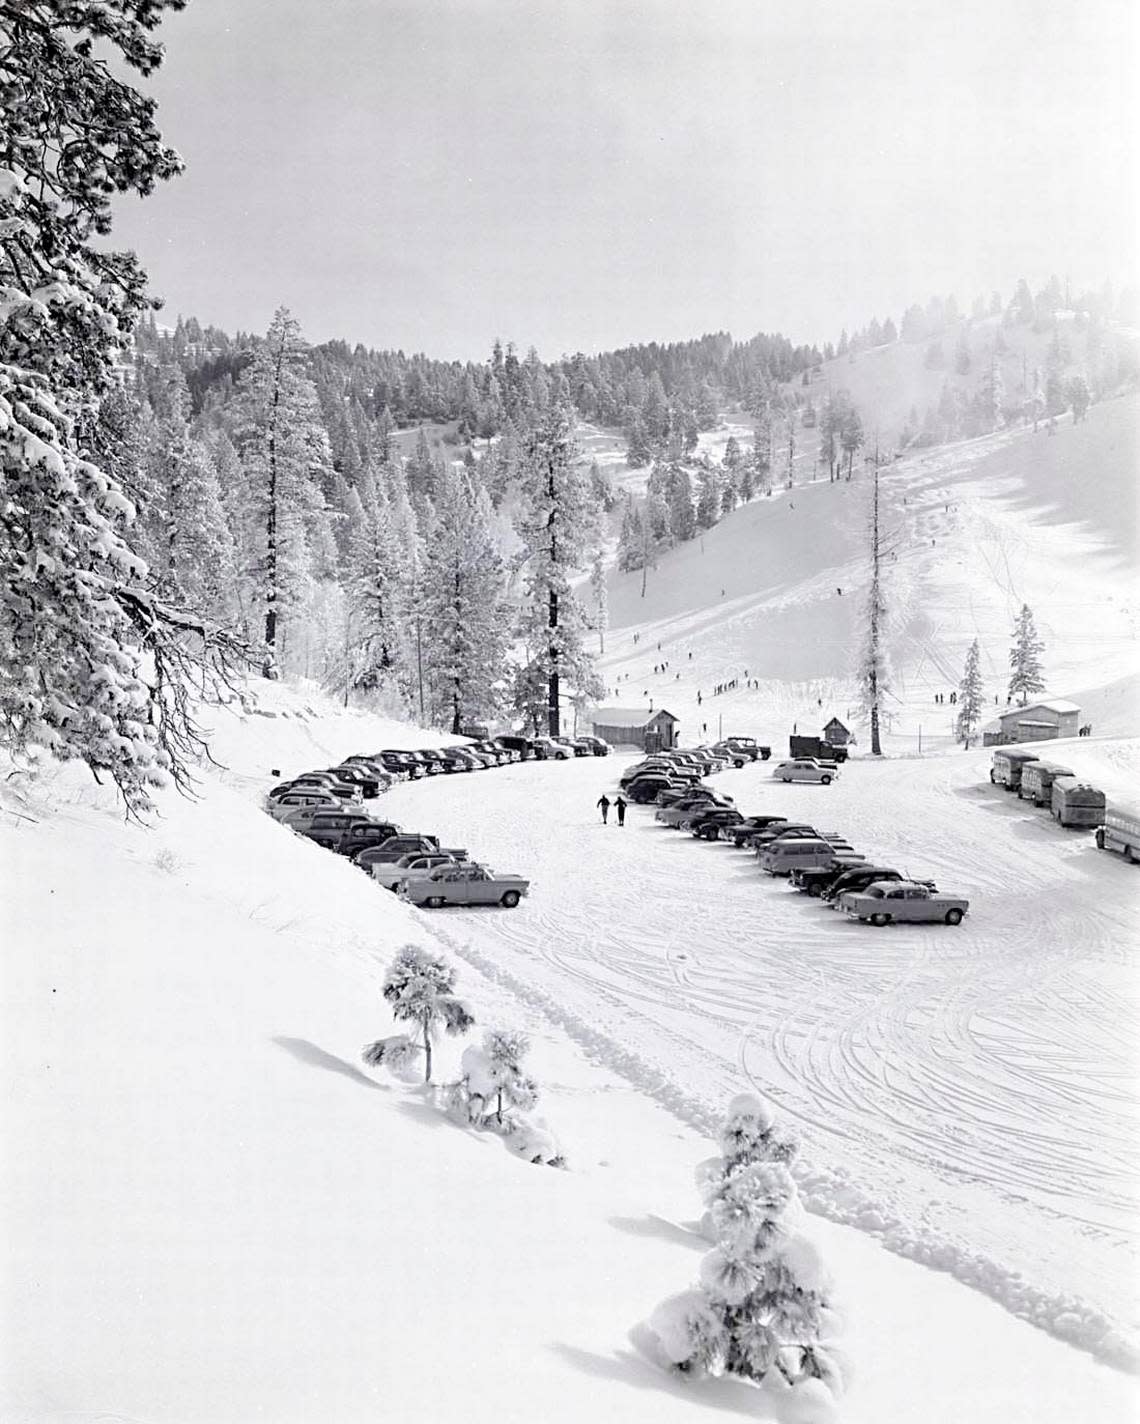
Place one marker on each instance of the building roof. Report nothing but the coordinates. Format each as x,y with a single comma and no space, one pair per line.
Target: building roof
627,716
835,722
1054,705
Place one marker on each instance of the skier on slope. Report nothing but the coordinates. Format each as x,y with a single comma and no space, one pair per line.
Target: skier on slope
604,804
620,804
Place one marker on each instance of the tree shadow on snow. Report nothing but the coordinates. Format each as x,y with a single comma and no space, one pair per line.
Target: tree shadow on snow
660,1230
638,1369
305,1052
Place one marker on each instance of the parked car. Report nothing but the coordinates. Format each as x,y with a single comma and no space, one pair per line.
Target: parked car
459,759
816,881
300,818
804,770
434,760
406,843
547,749
369,785
759,839
750,747
362,835
500,755
392,873
709,825
858,878
645,788
576,745
597,745
815,747
404,762
523,746
680,810
465,885
904,901
281,806
788,853
327,828
753,825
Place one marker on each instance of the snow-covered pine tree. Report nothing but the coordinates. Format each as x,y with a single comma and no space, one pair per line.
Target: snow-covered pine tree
464,619
494,1080
970,693
1026,677
762,1310
194,545
92,663
600,598
632,538
420,987
708,496
285,451
557,525
682,521
873,672
371,577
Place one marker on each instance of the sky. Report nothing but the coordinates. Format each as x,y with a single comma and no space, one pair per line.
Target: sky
430,175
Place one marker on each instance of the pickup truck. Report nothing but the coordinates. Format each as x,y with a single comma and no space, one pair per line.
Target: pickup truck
815,747
904,901
465,885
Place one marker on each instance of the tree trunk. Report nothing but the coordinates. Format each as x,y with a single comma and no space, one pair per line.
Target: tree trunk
427,1052
271,524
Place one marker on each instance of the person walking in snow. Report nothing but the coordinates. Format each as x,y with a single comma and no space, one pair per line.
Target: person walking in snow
604,804
619,806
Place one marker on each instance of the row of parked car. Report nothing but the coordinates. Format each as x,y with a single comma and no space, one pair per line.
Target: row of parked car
326,807
1072,802
821,864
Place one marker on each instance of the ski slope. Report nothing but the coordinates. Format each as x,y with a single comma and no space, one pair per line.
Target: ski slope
972,532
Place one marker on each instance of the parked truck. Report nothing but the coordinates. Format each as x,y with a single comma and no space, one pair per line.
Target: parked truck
816,747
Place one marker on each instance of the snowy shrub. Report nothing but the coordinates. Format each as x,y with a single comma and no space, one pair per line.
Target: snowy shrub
419,986
762,1310
494,1092
399,1054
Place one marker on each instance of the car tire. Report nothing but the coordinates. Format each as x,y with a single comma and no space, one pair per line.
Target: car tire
880,919
953,917
434,902
1100,839
825,780
815,891
510,899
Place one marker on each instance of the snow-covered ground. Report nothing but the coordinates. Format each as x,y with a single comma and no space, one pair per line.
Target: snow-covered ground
213,1213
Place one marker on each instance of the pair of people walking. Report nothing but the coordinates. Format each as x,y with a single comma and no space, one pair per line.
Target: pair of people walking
619,805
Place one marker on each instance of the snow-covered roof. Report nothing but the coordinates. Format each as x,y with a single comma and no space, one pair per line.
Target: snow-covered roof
1053,705
628,716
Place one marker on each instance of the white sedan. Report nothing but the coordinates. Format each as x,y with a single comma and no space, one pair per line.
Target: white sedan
418,866
805,769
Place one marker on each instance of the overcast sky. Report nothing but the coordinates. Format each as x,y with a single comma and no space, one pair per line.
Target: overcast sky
580,174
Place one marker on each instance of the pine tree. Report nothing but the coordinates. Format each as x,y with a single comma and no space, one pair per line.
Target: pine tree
1079,397
557,525
372,579
970,696
708,496
874,676
763,1305
93,664
1025,658
600,598
464,618
494,1082
682,521
420,987
285,450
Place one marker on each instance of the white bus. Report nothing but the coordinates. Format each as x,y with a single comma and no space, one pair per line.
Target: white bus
1121,831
